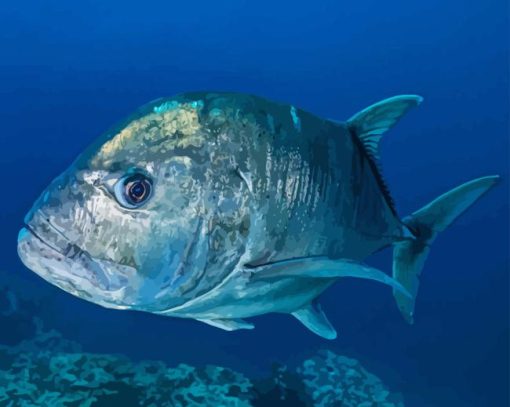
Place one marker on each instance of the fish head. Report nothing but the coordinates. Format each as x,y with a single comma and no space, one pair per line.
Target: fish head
123,227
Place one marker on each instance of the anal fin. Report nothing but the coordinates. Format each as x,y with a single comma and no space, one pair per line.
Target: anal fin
316,321
228,324
322,267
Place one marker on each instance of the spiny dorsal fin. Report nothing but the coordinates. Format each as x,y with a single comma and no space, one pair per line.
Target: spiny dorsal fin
370,124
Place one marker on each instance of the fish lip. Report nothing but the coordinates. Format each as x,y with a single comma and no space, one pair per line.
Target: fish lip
71,251
96,276
65,247
44,242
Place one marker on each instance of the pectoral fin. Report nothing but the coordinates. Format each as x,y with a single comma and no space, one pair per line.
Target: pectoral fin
228,324
322,267
316,321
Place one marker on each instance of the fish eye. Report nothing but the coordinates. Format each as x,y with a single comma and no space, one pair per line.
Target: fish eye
133,191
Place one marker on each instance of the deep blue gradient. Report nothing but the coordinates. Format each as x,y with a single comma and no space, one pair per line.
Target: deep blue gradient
68,70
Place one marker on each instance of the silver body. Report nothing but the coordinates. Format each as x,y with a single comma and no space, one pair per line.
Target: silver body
239,182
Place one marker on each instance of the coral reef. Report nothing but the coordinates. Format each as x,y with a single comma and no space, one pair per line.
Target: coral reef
283,388
51,371
333,380
48,370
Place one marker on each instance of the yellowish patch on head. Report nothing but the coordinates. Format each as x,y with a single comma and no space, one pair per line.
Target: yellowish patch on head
178,126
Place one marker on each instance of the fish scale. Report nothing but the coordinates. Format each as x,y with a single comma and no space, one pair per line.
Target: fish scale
249,207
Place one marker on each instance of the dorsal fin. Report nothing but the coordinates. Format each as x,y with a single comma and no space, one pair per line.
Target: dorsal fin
370,124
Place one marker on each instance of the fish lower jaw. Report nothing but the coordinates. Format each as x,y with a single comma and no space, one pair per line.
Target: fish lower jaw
55,268
75,272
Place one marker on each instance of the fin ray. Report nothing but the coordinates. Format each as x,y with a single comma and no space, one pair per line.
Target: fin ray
316,321
322,267
228,324
371,123
409,255
369,126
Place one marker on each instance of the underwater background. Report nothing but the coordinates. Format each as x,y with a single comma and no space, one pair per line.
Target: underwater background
69,70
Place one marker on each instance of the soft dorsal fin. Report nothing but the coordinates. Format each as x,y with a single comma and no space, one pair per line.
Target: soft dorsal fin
370,124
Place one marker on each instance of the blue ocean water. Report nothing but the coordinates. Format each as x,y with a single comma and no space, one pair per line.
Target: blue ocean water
68,70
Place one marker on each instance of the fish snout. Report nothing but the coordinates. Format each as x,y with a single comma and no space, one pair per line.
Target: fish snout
44,249
52,217
41,226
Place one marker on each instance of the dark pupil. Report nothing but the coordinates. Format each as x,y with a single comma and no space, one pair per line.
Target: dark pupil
137,190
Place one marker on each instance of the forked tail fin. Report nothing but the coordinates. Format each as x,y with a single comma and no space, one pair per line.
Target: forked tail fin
410,255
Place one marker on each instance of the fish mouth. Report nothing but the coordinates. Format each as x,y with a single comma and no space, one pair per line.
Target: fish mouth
70,251
41,227
52,256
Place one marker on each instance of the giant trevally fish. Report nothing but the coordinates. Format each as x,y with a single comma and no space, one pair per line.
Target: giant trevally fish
220,207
